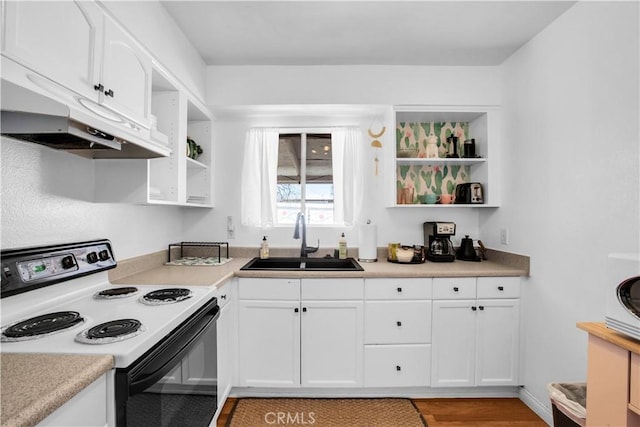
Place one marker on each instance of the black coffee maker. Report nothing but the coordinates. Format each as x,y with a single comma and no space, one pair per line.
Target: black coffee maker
437,241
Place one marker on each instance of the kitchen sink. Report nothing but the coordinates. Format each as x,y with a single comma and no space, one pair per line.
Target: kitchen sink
302,264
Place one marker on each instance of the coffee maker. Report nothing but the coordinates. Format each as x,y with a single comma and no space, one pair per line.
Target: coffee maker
437,241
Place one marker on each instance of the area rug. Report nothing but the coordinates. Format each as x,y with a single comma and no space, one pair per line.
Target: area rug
387,412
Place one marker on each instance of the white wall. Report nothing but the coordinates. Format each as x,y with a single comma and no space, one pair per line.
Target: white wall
571,184
47,199
362,92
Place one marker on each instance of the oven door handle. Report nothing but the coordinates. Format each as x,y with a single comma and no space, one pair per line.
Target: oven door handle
175,349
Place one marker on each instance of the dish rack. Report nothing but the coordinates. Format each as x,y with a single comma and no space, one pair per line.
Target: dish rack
216,246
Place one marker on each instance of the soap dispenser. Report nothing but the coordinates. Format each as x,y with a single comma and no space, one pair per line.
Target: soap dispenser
342,247
264,248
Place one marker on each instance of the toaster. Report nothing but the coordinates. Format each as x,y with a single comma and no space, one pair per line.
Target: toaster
469,193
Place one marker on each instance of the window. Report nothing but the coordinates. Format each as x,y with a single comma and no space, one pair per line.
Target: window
305,178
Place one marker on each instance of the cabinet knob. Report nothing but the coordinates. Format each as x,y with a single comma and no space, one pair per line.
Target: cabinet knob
99,87
304,309
474,308
398,368
501,288
109,92
399,289
295,310
481,307
399,323
455,289
224,296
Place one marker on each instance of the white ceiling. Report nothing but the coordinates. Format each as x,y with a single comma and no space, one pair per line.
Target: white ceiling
361,32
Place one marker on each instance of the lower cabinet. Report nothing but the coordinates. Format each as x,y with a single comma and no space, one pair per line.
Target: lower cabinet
397,332
475,332
378,332
296,333
87,408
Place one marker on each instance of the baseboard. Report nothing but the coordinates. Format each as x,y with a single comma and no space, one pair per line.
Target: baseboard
409,392
536,406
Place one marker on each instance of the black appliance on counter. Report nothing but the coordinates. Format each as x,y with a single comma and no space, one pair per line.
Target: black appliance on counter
437,241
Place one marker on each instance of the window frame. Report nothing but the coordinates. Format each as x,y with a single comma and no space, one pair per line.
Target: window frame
303,132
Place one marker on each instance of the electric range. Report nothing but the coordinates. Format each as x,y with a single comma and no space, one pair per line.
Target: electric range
80,295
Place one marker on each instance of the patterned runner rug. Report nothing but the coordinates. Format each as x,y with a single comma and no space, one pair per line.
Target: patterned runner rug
387,412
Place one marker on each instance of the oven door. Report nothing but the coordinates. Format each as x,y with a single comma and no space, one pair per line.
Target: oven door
160,389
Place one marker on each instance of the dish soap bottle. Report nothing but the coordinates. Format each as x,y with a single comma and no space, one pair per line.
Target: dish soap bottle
342,247
264,248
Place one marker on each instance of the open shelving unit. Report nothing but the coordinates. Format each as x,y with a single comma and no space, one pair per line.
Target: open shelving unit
483,125
173,180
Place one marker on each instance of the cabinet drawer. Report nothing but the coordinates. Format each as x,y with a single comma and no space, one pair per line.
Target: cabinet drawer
397,322
498,287
454,288
332,289
271,289
397,365
397,289
634,383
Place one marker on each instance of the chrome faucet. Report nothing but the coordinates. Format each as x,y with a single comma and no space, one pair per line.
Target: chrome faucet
304,249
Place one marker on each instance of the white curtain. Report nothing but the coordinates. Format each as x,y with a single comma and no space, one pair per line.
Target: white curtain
347,174
259,178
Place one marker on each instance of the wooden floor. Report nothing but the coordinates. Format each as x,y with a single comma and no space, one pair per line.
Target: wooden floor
486,412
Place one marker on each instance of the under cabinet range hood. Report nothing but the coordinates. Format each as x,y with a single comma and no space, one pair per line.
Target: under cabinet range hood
33,117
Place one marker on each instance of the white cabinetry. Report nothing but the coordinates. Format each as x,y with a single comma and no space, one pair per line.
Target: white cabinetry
85,409
296,332
77,45
175,179
397,332
226,332
475,331
484,127
331,331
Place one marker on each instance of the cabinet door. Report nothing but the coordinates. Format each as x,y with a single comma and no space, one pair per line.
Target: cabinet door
453,343
225,333
56,39
332,343
497,342
126,74
269,343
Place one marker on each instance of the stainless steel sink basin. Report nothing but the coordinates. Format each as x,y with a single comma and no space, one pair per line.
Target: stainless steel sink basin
302,264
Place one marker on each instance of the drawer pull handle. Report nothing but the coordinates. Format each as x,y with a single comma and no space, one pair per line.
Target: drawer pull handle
399,289
398,368
474,308
399,323
455,289
501,288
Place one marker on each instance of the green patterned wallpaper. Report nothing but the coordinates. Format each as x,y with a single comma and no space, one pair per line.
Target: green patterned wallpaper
419,180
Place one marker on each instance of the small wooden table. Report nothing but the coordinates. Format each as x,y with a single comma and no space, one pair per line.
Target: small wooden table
613,377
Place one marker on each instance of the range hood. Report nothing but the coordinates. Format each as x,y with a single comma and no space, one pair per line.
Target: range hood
31,116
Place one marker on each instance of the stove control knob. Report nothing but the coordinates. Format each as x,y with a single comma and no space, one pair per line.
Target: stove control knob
103,255
92,257
68,262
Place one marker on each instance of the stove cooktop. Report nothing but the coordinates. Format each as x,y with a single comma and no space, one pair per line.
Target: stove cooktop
71,282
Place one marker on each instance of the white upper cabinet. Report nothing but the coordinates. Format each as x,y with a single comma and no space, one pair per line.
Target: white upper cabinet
56,39
126,74
76,45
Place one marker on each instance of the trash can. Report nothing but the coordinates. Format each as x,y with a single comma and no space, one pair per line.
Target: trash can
569,404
